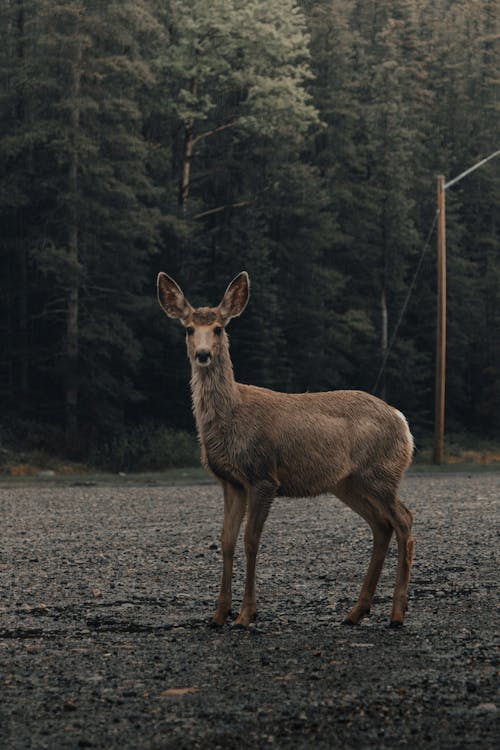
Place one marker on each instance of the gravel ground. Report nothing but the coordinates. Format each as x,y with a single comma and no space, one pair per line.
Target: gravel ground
106,592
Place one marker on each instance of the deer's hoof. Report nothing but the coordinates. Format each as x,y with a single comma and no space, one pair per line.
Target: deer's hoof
396,624
218,620
244,620
356,614
215,625
350,623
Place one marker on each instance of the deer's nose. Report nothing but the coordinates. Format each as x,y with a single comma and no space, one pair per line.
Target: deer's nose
203,355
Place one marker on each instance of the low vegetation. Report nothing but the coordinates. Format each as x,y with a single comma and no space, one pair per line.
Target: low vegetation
148,447
155,448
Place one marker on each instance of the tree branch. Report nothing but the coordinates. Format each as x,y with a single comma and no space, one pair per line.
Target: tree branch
219,209
215,130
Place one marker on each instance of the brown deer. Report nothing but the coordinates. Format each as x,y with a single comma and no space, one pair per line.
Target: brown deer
261,444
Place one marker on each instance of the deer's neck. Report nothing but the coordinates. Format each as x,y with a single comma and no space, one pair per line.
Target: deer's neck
214,393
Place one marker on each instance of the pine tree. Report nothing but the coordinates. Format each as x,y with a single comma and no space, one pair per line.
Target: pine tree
236,114
368,64
16,194
89,167
237,66
300,141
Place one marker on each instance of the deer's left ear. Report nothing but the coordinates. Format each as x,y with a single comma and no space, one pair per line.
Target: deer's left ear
235,298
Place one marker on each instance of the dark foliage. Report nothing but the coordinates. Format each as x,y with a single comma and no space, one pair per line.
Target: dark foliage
299,141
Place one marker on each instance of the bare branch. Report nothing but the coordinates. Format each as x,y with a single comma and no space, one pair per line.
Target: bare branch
215,130
219,209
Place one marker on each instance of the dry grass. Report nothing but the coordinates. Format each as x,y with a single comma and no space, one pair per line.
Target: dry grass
484,457
32,470
22,470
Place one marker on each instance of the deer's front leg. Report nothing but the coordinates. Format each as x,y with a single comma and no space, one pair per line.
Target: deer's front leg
234,510
260,500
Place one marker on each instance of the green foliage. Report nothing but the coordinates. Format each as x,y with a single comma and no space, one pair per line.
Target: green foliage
299,141
146,447
244,59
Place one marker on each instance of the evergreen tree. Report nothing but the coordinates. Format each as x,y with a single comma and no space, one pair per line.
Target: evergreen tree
300,141
367,60
237,112
89,163
17,136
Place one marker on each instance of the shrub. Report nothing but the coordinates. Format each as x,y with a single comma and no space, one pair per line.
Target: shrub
145,447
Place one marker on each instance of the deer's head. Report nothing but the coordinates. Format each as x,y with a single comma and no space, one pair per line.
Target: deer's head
205,326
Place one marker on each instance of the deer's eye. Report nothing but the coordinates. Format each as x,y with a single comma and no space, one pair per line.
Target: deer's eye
217,330
190,330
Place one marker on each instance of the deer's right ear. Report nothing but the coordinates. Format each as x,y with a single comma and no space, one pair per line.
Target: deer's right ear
172,299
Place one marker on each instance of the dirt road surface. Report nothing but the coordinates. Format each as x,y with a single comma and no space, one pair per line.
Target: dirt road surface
106,592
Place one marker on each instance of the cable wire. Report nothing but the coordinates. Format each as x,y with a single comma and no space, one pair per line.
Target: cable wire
405,303
471,169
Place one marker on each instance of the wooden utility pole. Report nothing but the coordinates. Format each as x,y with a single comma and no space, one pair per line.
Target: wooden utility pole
442,186
441,323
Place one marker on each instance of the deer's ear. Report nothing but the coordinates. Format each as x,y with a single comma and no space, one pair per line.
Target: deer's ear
172,299
235,298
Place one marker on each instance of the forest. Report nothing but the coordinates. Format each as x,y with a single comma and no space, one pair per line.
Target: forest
299,141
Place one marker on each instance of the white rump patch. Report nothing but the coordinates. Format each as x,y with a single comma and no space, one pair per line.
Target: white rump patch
410,436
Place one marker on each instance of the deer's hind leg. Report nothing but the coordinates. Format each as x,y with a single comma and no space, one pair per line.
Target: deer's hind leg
382,533
234,510
401,520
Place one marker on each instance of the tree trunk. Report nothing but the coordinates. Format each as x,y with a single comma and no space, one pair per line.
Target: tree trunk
21,242
23,319
72,318
72,341
383,340
190,142
186,170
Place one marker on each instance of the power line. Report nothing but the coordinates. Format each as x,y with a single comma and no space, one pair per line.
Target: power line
471,169
405,303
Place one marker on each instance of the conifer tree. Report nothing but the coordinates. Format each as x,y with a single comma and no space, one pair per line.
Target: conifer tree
89,162
298,140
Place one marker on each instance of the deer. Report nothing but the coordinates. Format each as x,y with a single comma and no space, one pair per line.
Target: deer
261,444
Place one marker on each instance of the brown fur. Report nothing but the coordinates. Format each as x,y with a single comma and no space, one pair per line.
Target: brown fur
204,316
261,444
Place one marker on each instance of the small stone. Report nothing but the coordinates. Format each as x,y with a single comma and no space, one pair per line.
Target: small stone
486,707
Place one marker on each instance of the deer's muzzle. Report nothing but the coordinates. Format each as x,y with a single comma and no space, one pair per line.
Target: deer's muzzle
203,356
